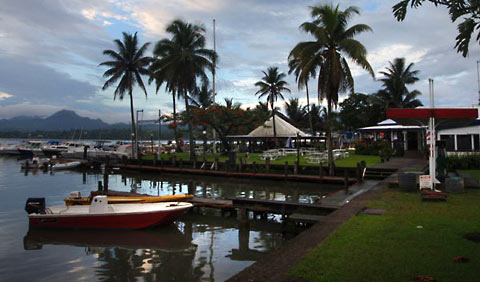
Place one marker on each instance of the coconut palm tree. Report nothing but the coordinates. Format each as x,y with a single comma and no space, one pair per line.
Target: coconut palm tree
182,60
128,64
272,85
304,69
295,112
395,93
333,43
202,96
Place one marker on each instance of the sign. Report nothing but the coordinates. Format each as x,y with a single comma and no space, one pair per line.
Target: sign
425,182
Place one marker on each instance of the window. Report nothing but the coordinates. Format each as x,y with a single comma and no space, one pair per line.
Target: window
464,142
449,142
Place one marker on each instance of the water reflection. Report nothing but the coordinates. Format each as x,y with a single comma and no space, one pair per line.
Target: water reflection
195,248
219,187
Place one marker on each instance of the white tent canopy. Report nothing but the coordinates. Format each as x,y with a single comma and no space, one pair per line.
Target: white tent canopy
284,129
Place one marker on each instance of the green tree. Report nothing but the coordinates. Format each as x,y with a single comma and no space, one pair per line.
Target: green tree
359,110
395,93
202,96
128,64
333,42
226,120
295,112
181,61
467,10
272,85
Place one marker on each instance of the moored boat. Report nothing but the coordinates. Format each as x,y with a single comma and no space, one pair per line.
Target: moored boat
102,215
115,198
65,165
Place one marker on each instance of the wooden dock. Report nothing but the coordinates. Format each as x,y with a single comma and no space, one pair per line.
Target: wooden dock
263,206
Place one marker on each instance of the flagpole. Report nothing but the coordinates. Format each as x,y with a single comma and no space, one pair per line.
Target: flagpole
213,86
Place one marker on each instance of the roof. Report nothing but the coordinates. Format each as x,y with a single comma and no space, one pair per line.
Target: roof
390,124
284,129
443,116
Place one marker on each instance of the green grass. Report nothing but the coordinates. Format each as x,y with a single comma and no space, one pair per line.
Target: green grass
351,161
475,173
390,247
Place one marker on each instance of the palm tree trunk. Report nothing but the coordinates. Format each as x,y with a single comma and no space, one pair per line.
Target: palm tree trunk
175,134
308,107
274,125
331,164
134,131
190,130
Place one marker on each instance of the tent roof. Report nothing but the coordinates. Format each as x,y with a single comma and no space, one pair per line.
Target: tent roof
284,129
389,124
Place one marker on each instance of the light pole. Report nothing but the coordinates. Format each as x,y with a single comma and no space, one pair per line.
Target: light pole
298,149
136,135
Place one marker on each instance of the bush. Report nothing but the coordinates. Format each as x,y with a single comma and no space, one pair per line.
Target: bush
371,148
464,162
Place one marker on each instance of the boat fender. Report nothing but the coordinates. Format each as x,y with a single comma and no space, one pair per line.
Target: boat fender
35,205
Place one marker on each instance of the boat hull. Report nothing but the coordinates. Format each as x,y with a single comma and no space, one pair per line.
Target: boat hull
130,199
108,220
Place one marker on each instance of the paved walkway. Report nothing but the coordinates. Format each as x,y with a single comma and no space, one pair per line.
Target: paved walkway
275,265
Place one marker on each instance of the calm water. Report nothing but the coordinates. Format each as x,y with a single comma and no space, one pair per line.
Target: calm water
204,247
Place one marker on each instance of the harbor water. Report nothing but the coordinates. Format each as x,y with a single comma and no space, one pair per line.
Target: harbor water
203,246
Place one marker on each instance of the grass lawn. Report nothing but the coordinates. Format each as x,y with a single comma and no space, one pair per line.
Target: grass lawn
473,172
390,247
351,161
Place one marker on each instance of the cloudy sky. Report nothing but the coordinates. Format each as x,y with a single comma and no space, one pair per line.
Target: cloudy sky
50,50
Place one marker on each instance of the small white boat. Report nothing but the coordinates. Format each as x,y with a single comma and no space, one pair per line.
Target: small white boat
102,215
65,165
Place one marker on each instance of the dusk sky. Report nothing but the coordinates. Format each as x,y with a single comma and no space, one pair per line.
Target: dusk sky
50,50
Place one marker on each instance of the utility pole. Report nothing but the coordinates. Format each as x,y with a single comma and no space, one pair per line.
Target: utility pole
213,86
136,134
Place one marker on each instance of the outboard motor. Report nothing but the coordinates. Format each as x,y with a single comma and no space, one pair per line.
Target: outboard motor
35,205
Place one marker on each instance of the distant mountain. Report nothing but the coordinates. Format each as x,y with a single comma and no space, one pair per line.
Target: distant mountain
59,121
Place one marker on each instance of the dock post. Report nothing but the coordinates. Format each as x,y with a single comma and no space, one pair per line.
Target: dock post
194,161
295,168
243,217
254,166
85,154
359,172
215,164
346,181
100,187
240,164
286,168
174,161
267,164
320,169
180,163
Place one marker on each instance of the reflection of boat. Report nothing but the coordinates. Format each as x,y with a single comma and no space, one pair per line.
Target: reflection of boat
99,214
124,198
168,239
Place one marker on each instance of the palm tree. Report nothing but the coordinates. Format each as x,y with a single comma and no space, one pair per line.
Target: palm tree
395,93
333,42
304,69
182,60
272,85
202,96
128,64
295,112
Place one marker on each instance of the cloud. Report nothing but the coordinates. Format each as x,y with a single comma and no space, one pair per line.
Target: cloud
4,95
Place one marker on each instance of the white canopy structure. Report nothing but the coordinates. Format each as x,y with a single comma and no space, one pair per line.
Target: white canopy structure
284,129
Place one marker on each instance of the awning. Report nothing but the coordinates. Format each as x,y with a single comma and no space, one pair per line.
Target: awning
443,116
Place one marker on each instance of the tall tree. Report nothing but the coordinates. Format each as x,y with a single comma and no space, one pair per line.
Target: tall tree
358,110
182,60
202,96
395,93
272,85
295,112
128,64
467,10
333,40
304,69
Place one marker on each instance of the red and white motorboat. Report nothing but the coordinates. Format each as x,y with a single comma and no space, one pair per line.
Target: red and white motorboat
101,215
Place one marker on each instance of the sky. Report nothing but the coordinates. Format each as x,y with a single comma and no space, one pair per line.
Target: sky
50,51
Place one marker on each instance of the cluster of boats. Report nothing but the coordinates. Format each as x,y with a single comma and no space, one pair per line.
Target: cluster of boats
107,211
74,150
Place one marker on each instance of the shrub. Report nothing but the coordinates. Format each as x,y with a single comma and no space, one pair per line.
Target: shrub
464,162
